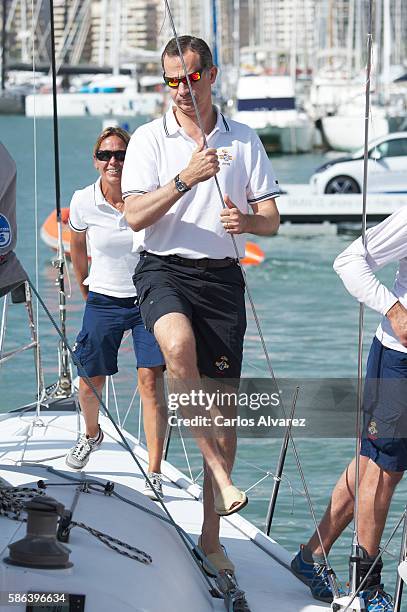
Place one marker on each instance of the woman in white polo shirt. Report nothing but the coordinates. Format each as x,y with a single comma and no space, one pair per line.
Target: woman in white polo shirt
95,214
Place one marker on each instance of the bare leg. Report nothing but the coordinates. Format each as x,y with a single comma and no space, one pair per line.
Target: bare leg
227,441
375,493
177,342
210,526
90,404
339,512
150,383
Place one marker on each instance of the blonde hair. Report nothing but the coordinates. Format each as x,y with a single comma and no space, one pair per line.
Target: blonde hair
111,131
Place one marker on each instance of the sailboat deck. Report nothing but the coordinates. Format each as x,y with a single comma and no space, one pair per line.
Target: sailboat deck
261,564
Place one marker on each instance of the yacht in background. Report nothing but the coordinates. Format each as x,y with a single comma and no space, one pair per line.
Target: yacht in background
345,131
267,104
104,95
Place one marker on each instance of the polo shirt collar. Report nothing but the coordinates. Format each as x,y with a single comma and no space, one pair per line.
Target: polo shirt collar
171,126
99,198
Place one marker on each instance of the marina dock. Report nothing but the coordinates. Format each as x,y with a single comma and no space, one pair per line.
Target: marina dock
299,205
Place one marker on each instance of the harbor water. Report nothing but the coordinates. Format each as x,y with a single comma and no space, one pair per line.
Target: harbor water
310,325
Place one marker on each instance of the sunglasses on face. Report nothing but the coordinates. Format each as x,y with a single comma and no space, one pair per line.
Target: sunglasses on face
105,155
175,81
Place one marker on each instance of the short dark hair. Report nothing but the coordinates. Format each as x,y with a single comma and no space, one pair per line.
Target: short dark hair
189,43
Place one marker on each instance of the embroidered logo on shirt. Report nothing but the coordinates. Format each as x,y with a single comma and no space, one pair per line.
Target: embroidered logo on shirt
5,232
225,157
222,363
372,429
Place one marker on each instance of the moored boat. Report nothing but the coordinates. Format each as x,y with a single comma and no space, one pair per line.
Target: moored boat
268,105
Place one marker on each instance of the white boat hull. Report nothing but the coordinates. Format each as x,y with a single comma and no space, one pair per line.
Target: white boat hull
94,104
280,131
344,133
295,138
108,580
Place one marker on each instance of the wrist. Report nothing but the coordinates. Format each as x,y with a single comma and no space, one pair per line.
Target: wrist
394,310
186,178
247,224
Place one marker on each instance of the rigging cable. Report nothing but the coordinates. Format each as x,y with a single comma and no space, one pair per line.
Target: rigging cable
40,386
355,540
64,387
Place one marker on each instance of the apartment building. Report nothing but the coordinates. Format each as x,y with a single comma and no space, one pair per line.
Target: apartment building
72,23
128,24
90,30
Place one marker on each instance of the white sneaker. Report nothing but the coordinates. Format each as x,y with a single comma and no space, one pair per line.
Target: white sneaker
79,455
156,481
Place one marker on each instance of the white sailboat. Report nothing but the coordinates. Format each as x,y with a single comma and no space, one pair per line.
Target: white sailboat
344,131
112,547
106,95
267,104
94,542
107,498
343,127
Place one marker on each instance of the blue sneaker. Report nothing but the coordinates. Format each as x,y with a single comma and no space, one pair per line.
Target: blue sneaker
377,600
314,575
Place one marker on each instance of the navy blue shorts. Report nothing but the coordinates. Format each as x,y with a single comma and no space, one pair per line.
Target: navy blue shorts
384,437
105,320
212,299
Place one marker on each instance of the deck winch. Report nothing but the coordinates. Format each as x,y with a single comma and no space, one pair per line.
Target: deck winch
40,548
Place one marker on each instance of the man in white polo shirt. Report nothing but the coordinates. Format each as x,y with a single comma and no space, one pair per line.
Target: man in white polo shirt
189,284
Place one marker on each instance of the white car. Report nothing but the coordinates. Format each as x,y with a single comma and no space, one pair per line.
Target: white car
387,169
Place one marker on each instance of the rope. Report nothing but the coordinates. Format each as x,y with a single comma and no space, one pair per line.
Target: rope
14,499
122,548
13,503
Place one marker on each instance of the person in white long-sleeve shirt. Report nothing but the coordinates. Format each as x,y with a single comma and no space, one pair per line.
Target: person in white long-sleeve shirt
385,243
383,453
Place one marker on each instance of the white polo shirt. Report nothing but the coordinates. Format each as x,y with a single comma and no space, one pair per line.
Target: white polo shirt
159,150
385,243
110,242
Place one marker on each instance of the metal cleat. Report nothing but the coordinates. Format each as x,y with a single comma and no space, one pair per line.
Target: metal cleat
344,603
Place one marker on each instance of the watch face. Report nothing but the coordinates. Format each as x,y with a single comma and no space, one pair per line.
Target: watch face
181,186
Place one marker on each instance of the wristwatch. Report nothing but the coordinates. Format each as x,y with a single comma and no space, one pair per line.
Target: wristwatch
180,185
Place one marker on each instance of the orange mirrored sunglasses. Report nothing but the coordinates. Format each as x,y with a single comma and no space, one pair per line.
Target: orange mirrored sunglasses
175,81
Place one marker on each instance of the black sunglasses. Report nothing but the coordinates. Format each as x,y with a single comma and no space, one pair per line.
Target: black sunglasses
105,155
175,81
